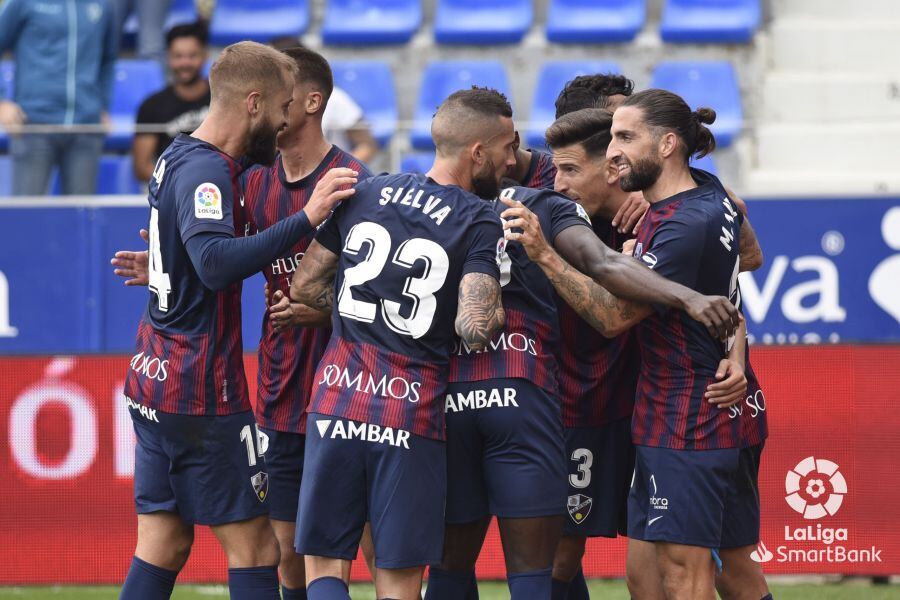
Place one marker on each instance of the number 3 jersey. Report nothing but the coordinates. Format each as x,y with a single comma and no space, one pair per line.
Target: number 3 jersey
528,344
404,243
691,238
188,356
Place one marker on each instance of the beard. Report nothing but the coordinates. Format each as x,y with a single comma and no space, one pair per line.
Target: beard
643,174
261,146
485,184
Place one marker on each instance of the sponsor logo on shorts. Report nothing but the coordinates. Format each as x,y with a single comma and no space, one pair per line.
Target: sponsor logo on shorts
367,432
147,413
367,383
260,483
815,489
657,502
150,366
579,507
475,399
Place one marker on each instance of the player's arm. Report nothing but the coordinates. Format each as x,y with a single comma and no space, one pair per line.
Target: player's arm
313,281
731,384
480,313
284,313
621,276
751,252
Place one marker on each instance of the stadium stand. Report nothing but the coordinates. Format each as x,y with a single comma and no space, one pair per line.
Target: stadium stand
552,78
236,20
593,21
709,21
114,176
482,21
371,85
708,83
440,79
359,22
416,162
135,80
8,80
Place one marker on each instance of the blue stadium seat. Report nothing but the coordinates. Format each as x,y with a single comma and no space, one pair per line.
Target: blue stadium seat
114,176
482,21
713,84
134,81
371,21
180,12
552,79
595,21
371,85
709,21
706,163
236,20
442,78
8,81
416,162
5,176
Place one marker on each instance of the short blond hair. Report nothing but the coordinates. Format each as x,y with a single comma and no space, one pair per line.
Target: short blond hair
247,67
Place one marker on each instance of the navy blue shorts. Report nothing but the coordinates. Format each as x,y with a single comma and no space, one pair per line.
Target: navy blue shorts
284,459
601,462
209,470
356,472
505,451
707,498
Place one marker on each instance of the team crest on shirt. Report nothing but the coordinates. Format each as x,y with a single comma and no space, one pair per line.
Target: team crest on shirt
208,202
260,483
579,507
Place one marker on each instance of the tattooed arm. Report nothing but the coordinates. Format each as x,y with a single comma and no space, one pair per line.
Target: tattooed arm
479,314
313,282
751,252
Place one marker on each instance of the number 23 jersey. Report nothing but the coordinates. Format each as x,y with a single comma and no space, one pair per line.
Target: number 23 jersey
404,243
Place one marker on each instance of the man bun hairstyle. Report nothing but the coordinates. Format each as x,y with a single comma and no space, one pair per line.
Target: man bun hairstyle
663,110
589,127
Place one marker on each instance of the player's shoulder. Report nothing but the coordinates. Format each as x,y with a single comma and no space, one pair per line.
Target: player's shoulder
342,158
540,198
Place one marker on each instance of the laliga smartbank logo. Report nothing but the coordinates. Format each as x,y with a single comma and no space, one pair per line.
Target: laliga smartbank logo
815,489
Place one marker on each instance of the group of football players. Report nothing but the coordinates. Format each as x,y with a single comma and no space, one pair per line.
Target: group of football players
551,339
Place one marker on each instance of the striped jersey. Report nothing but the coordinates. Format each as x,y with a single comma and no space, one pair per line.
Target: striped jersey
287,358
541,172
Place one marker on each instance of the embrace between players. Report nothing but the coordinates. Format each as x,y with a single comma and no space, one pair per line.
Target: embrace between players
445,348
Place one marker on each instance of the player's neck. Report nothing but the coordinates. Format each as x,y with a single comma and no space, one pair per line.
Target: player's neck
669,184
219,130
523,163
446,172
608,210
303,152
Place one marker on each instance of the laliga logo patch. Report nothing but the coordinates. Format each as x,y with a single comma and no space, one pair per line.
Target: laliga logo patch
582,213
260,483
815,488
579,507
208,201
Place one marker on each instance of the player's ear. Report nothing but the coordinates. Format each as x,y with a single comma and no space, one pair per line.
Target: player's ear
612,172
668,144
477,153
313,102
254,103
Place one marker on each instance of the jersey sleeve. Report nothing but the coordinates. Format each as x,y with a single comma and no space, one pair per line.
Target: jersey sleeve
676,249
204,196
485,244
565,213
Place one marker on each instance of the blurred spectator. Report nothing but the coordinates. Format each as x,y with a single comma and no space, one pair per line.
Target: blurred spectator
151,15
64,53
343,122
180,107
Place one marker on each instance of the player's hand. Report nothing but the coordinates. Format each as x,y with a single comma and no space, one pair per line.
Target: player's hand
630,215
335,186
731,385
280,312
12,117
266,292
530,235
133,266
628,247
716,313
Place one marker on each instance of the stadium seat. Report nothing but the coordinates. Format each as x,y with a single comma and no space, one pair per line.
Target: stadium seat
713,84
371,21
5,176
553,77
180,12
442,78
595,21
709,21
371,85
134,81
416,162
236,20
114,176
482,21
706,163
